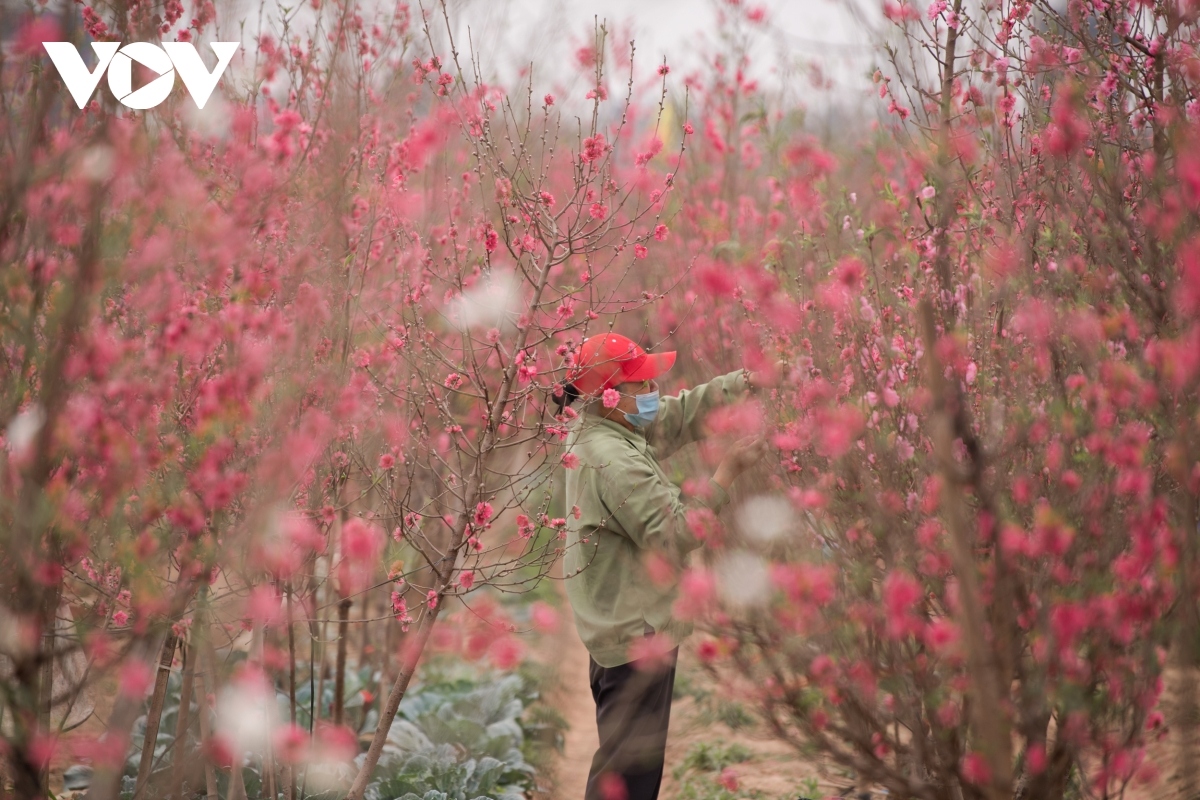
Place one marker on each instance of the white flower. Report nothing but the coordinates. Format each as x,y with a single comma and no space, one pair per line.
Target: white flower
742,580
491,302
765,517
246,713
23,428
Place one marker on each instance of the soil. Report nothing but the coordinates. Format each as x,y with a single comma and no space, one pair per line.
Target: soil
773,769
572,696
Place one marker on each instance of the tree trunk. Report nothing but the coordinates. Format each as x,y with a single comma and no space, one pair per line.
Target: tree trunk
182,721
385,673
409,659
319,663
25,773
290,776
237,783
154,715
339,675
990,725
257,646
1185,706
45,698
210,774
1184,720
106,781
364,648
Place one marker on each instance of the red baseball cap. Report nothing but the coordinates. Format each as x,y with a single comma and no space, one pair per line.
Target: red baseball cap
607,359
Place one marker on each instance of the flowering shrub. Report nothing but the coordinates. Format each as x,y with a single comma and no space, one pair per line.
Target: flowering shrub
348,311
978,542
239,347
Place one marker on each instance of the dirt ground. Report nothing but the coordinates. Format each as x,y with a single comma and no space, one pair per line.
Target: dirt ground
774,769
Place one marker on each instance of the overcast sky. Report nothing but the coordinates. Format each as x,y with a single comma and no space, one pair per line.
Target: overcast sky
797,36
817,54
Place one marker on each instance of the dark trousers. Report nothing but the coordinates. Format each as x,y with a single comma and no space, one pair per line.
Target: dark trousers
633,710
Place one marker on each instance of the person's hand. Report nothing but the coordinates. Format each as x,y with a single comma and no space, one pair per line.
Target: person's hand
766,378
743,454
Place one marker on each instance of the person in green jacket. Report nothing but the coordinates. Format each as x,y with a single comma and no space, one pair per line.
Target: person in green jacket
627,510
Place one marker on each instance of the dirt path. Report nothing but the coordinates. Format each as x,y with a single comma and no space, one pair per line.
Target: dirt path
775,769
572,697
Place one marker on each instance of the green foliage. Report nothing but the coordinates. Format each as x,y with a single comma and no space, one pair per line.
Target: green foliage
457,739
701,767
543,725
459,735
686,686
357,714
544,728
712,757
699,775
733,714
710,706
705,787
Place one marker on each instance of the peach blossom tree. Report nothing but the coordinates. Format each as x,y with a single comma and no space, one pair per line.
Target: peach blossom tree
977,545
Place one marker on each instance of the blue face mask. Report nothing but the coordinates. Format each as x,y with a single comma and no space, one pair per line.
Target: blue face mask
647,410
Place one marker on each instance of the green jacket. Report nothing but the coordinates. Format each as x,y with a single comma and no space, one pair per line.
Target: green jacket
627,507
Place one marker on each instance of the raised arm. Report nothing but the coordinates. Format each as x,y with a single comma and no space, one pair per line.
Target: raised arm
681,418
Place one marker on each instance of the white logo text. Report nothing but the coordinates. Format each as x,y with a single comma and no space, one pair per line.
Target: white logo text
163,61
